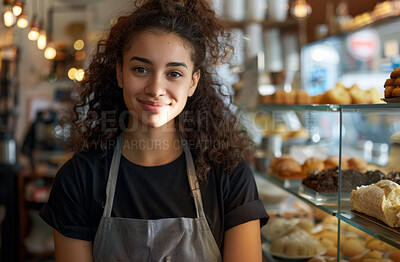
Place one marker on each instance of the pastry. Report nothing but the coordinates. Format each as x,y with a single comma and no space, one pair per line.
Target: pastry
357,163
358,96
395,255
396,82
374,96
296,242
278,227
287,168
302,97
394,176
396,92
351,246
395,73
274,161
337,96
279,97
374,176
388,91
325,181
380,200
389,82
333,162
312,164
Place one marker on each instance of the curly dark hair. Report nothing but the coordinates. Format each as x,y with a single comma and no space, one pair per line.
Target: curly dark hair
206,121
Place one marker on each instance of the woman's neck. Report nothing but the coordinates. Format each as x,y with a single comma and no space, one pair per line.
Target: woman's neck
152,146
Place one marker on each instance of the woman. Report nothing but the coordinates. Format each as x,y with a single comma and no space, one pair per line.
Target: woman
158,173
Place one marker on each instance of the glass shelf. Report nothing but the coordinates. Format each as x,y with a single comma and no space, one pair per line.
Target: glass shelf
371,228
292,186
312,107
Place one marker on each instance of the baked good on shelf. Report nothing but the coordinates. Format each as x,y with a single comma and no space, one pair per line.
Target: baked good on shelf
358,96
296,242
380,200
374,96
389,82
288,168
396,91
302,97
394,176
374,176
337,95
395,255
396,81
312,164
357,163
388,91
395,73
333,162
274,161
325,181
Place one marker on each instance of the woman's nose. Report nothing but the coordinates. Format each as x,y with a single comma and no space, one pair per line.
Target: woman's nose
155,87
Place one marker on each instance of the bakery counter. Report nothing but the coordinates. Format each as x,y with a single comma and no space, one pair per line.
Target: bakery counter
373,204
293,185
373,227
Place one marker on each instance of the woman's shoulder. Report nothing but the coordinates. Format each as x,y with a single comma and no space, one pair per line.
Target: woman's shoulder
85,163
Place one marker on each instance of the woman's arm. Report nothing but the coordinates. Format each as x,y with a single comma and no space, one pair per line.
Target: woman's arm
70,249
243,243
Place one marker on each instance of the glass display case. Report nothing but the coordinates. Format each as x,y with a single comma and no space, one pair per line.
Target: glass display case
372,134
364,140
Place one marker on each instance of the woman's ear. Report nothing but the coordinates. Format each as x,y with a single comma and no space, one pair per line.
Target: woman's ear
195,81
118,69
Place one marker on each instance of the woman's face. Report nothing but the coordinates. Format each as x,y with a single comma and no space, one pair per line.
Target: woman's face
157,77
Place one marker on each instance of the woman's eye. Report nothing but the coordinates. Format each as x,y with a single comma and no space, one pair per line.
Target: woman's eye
140,70
174,74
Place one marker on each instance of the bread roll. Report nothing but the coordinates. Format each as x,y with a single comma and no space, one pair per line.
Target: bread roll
338,95
380,200
288,168
358,164
333,162
296,242
358,96
311,164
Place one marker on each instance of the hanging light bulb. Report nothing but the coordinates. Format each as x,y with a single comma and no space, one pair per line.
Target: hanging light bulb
8,16
301,10
79,75
33,34
17,8
42,40
22,21
50,52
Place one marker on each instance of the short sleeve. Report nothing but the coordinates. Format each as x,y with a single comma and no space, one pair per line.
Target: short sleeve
241,200
65,210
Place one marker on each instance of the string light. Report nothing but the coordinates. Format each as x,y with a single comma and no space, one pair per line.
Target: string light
42,40
17,8
22,21
8,17
301,10
50,52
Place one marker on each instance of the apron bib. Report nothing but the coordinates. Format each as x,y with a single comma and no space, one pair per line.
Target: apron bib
159,240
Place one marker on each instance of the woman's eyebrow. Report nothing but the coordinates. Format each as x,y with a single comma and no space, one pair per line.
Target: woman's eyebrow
147,61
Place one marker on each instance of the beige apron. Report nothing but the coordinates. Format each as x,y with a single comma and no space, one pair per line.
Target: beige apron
169,239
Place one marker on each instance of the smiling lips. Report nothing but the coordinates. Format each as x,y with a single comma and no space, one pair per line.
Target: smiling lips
153,107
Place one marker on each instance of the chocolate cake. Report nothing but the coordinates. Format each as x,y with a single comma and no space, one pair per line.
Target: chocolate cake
326,181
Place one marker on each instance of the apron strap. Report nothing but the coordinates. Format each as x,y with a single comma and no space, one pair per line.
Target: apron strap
193,181
112,177
113,174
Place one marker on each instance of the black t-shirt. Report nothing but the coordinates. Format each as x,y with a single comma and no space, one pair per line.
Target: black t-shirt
77,198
